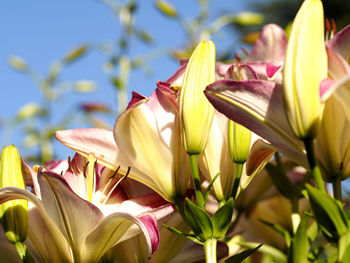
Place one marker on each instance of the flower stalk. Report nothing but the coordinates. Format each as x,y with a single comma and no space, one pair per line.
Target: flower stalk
210,250
196,180
309,146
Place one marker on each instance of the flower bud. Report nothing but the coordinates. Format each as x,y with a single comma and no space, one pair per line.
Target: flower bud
13,214
304,69
196,113
239,138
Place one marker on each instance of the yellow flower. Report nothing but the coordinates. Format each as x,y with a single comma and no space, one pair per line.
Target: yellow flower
196,113
13,214
304,69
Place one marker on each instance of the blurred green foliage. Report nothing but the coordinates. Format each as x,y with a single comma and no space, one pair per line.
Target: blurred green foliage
37,121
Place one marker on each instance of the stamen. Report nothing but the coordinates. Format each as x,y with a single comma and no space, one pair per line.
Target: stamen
85,169
334,27
70,165
115,172
328,29
237,57
328,25
116,184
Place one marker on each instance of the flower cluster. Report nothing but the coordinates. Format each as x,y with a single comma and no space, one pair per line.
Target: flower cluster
231,157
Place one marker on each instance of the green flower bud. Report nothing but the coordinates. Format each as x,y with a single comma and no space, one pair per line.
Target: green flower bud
239,139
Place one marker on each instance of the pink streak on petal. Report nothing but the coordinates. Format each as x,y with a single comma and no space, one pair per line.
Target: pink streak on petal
326,89
136,97
152,228
271,69
340,43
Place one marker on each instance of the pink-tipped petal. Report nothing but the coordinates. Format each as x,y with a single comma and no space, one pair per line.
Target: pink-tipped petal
337,66
257,105
271,69
271,45
176,79
340,43
92,140
326,89
152,229
136,97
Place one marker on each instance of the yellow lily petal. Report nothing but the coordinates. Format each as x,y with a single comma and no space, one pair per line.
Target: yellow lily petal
196,113
13,214
304,69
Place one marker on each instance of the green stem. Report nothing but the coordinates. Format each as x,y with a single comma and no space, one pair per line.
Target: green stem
23,253
210,250
238,175
179,207
337,188
309,147
196,180
20,249
278,160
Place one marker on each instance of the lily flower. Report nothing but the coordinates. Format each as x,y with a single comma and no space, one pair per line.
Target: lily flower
263,62
56,230
148,135
151,145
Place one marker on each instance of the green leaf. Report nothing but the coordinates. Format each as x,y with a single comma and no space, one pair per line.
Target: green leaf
328,213
85,86
249,18
344,248
312,231
299,249
242,256
198,220
266,249
18,63
178,232
222,218
144,36
166,8
75,53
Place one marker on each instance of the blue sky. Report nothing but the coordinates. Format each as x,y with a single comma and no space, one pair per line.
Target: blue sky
44,31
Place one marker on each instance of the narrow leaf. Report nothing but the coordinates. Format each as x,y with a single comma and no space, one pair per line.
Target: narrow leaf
242,256
178,232
210,186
